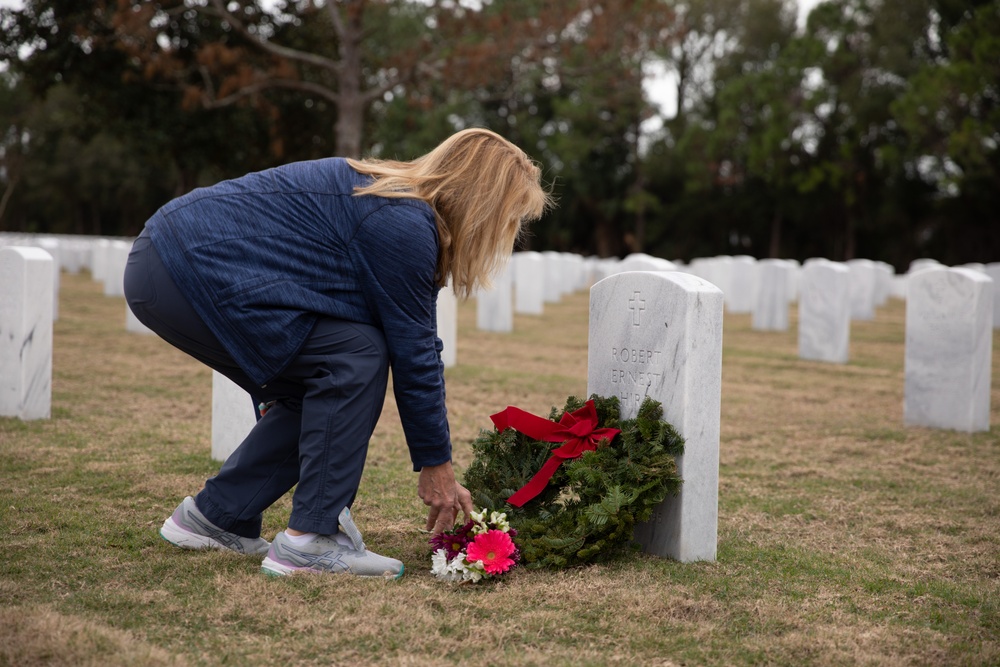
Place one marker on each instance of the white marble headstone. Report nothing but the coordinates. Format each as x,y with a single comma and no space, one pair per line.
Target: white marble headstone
993,271
529,283
577,272
824,311
660,335
884,273
701,267
743,282
52,246
495,306
863,288
604,267
75,254
99,259
25,333
770,312
640,261
897,288
721,272
949,344
447,325
553,276
922,263
116,258
233,416
794,270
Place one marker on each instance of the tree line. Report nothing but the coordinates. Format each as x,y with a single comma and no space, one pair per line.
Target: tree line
871,131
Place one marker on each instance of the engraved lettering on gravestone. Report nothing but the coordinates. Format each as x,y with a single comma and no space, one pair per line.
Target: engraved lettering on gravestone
636,305
629,379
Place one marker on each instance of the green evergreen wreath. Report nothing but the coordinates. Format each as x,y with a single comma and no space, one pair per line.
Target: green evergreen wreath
590,506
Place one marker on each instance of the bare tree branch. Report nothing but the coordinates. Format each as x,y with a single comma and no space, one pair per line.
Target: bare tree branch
271,47
209,101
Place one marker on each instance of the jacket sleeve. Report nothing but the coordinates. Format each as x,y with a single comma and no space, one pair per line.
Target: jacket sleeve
394,251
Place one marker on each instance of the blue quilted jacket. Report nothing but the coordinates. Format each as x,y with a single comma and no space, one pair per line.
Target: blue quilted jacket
263,256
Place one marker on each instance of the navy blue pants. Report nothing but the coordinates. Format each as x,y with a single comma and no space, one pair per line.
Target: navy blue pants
327,402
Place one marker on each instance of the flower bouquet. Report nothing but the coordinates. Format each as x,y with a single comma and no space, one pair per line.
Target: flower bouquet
483,548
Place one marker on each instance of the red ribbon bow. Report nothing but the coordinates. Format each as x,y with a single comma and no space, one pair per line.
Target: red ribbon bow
576,430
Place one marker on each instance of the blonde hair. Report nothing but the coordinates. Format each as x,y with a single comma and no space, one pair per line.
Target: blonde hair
482,189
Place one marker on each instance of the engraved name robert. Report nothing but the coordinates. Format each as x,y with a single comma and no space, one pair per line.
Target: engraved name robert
632,355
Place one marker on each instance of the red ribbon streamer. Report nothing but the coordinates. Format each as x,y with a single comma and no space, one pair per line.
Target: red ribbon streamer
576,430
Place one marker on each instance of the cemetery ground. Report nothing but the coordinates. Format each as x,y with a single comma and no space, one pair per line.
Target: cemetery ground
844,538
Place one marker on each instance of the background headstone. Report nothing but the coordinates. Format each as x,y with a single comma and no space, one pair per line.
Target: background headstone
794,271
863,286
993,271
447,325
99,260
25,333
742,284
495,306
897,288
529,283
949,344
770,312
660,335
233,416
824,311
553,276
575,273
52,246
884,273
75,255
640,261
116,257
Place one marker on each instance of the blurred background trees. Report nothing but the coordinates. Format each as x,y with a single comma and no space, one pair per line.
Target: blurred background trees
870,131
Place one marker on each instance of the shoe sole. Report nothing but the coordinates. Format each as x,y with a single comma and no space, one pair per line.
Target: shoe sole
273,568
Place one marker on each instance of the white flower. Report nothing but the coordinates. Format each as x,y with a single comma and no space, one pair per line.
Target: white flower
443,569
479,519
499,520
473,571
439,563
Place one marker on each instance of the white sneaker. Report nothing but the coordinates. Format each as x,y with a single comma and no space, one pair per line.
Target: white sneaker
333,554
188,528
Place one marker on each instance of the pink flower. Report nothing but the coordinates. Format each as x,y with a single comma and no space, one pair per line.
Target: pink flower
494,549
452,541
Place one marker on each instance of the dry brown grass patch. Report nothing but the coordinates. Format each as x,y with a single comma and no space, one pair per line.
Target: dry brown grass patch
38,636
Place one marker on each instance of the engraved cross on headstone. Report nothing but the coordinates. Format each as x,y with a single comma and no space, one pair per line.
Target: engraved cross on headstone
636,305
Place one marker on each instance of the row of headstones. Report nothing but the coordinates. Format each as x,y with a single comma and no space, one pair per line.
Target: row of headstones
947,369
103,257
831,294
30,270
762,288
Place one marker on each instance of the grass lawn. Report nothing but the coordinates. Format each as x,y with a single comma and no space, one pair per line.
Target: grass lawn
844,538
